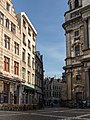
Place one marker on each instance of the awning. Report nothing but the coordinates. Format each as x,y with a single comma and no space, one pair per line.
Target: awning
28,88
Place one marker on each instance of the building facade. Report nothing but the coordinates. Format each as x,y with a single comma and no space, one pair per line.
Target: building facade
77,31
28,48
38,77
10,52
18,57
52,91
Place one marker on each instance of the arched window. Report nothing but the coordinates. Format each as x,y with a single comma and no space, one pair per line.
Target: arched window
76,3
77,50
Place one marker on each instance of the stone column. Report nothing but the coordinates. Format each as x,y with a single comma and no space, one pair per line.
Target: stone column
86,39
87,84
69,87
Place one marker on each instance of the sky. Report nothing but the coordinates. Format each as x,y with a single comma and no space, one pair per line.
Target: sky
47,16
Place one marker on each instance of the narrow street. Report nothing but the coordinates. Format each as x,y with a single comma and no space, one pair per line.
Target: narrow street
47,114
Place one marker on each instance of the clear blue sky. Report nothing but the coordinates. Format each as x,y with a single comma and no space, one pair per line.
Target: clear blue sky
47,16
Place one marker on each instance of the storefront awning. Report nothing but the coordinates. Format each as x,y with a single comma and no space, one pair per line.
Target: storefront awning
28,88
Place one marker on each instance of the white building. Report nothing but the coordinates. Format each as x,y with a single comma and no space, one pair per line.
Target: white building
28,48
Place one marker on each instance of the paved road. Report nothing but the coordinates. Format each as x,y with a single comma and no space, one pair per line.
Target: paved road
47,114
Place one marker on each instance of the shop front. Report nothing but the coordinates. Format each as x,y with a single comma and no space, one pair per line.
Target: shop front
9,90
28,95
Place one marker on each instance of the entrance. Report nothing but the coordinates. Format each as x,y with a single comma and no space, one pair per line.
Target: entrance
79,97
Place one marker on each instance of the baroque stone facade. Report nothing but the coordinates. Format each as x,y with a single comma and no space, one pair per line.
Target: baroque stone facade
77,31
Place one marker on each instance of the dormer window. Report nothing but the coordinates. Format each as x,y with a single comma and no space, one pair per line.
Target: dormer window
7,6
76,3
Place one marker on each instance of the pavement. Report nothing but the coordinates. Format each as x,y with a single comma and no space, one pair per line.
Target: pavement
47,114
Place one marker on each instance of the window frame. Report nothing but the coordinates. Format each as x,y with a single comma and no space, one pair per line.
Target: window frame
16,48
6,42
6,64
16,68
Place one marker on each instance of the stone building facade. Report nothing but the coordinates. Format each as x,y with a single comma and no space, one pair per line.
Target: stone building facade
17,56
10,52
52,91
77,31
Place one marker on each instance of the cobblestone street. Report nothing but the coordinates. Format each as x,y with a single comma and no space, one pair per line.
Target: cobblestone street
47,114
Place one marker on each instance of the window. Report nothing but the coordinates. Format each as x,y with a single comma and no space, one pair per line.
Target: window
7,23
24,24
23,54
76,3
13,27
29,44
7,42
16,48
29,31
32,78
33,49
28,59
34,37
23,73
24,39
33,64
29,77
76,33
78,77
1,18
77,50
70,5
16,68
6,64
7,6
